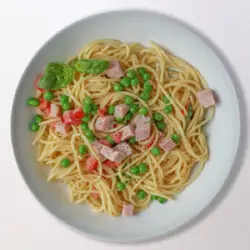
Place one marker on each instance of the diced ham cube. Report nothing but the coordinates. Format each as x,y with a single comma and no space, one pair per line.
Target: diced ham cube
61,128
124,148
114,70
112,155
97,146
127,132
167,144
127,210
143,127
206,98
121,110
116,136
54,110
104,123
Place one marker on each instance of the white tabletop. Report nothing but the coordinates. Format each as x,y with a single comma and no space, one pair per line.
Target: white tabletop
24,26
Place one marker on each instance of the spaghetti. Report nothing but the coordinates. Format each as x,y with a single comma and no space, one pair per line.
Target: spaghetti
163,89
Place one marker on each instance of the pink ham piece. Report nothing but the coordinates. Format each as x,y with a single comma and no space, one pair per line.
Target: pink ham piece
124,148
97,146
54,110
112,155
114,70
104,123
121,110
167,144
206,98
127,132
61,128
143,127
127,210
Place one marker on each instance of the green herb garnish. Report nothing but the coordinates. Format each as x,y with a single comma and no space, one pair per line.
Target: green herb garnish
91,66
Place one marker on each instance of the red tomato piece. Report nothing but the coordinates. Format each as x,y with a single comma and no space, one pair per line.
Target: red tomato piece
78,114
111,164
105,142
44,104
102,112
182,111
68,118
147,146
116,136
91,163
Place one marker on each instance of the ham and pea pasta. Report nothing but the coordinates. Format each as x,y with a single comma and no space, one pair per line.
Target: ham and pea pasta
122,125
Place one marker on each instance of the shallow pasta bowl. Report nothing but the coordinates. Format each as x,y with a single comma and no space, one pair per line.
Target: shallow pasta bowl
157,220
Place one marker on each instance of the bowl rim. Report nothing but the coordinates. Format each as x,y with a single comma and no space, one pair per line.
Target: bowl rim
237,91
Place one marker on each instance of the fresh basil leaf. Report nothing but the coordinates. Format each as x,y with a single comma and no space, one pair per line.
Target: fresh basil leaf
91,66
56,76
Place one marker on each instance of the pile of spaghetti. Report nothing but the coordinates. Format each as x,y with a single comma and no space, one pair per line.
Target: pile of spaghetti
122,125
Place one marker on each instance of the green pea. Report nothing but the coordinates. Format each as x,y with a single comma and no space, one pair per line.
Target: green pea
119,120
38,118
32,101
48,95
34,127
146,76
134,81
162,200
82,149
89,133
168,109
145,96
155,151
143,111
175,138
120,186
141,71
91,139
111,110
157,116
143,168
131,73
85,126
160,125
134,170
65,162
141,194
132,140
118,87
66,106
147,87
94,109
128,99
87,100
165,99
86,108
109,139
154,197
128,116
133,108
125,82
64,98
86,118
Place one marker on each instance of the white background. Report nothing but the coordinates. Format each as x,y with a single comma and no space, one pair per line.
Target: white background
24,26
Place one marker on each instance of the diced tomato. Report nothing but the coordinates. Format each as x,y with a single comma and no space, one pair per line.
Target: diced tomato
102,112
182,111
91,163
78,114
116,125
105,142
46,111
147,146
68,118
39,76
111,164
116,136
44,104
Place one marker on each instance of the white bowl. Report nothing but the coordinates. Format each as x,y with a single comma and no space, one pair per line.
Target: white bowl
223,131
